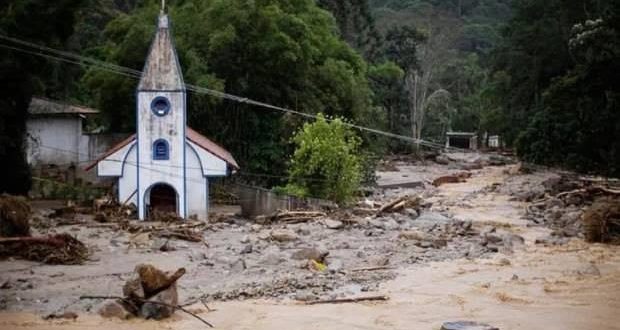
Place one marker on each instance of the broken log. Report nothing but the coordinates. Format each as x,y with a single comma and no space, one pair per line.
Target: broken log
391,204
400,203
182,234
348,300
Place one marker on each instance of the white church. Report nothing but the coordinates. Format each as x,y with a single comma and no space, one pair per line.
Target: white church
165,165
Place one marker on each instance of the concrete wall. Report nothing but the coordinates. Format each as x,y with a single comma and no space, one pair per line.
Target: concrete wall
53,140
59,141
256,201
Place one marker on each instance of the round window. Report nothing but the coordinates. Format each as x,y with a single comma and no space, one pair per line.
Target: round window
160,106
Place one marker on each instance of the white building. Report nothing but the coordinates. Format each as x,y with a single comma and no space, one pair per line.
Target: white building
54,133
165,165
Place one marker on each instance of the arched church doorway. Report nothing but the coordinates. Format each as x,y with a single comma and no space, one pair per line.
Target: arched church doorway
161,197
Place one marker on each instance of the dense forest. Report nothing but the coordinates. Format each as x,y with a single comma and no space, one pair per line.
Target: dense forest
542,74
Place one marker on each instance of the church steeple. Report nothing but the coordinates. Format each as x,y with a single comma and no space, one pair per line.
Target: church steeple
162,70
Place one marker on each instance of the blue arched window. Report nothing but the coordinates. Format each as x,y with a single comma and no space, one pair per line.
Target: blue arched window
160,106
160,150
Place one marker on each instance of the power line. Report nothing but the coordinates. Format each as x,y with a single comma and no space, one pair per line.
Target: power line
241,173
87,61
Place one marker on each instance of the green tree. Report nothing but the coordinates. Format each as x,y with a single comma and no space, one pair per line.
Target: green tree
579,125
326,161
286,53
23,75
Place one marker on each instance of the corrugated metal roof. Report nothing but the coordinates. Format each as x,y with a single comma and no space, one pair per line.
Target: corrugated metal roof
191,135
43,106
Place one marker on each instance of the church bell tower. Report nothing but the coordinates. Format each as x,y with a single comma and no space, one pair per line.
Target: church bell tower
161,124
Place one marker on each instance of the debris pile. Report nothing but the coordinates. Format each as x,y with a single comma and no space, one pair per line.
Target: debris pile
56,249
14,214
574,208
602,221
151,294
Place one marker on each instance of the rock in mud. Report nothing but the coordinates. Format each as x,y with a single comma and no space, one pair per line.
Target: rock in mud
111,309
283,235
305,296
412,213
413,235
512,241
589,270
333,224
153,280
247,249
163,305
466,325
238,266
335,265
317,254
442,159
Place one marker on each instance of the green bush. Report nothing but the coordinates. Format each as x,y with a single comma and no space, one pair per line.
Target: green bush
326,163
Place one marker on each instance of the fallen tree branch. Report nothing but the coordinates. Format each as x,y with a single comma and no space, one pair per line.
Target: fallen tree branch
348,300
179,307
368,269
184,235
391,204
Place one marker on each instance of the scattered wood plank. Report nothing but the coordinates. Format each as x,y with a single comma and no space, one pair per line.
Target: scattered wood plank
348,300
293,217
400,203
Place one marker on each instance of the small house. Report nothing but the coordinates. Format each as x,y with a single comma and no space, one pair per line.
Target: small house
462,140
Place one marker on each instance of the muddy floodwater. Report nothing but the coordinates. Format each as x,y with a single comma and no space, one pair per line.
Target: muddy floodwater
574,285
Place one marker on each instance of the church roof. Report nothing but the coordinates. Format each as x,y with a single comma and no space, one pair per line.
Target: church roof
161,70
197,138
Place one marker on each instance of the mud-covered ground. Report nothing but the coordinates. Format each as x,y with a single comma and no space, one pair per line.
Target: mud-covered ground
471,252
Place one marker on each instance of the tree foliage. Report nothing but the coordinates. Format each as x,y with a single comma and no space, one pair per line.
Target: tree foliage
281,52
326,161
22,75
577,124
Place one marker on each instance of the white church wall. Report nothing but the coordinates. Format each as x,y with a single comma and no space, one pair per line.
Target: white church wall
113,164
170,128
211,164
127,183
197,185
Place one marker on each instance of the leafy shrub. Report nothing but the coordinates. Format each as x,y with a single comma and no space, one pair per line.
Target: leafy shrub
326,162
